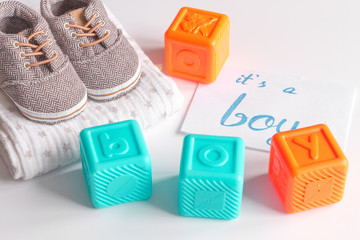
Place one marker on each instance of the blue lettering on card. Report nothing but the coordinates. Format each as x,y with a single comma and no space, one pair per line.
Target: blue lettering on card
243,79
262,84
256,123
289,90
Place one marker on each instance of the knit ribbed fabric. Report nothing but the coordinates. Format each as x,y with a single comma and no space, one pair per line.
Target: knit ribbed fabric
29,149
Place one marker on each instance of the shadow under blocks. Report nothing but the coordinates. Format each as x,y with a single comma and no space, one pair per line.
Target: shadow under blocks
258,187
70,185
165,194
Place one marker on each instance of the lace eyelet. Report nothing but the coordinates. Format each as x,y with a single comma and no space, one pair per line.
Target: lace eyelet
103,24
55,53
80,44
66,26
107,32
27,65
20,55
15,44
50,43
97,14
72,34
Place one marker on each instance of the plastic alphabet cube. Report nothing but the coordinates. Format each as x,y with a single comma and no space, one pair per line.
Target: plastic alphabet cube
307,168
211,177
116,163
197,44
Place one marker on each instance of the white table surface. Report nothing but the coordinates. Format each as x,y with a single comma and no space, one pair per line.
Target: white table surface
317,39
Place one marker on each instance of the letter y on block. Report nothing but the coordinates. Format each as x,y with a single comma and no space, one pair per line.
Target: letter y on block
312,145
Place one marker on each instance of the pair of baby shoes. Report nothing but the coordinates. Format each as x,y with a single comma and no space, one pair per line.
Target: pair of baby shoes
51,63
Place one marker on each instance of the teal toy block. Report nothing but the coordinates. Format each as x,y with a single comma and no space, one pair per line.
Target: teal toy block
211,176
116,163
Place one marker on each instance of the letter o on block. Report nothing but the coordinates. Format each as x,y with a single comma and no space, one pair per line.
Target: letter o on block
307,168
188,60
211,176
116,163
197,44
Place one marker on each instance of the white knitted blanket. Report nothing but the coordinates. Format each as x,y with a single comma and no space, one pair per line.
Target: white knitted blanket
29,149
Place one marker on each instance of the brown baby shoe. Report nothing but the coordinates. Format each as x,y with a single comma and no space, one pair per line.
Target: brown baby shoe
101,55
34,72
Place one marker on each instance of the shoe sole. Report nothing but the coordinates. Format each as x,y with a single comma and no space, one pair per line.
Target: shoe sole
110,93
52,118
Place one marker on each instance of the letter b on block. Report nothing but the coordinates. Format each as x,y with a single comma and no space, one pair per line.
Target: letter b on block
116,163
211,176
113,147
307,168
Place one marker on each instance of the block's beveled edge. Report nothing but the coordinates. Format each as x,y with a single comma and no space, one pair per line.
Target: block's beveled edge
86,172
186,155
90,153
86,150
234,178
173,33
285,173
339,161
140,140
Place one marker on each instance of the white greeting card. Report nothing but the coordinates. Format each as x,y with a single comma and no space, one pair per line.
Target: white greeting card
255,105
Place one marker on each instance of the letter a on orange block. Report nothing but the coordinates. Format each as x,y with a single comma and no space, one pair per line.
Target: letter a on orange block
312,145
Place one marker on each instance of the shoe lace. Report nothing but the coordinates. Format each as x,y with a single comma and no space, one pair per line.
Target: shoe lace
89,33
37,51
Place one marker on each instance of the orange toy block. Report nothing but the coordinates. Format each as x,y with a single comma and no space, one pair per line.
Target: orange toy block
197,44
307,168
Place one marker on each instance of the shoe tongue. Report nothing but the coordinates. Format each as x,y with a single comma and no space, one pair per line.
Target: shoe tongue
25,32
78,15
